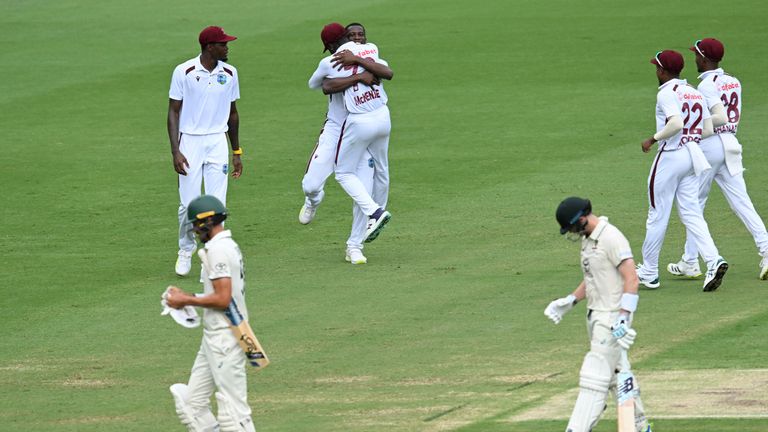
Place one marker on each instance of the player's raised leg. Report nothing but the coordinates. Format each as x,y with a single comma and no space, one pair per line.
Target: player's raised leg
354,253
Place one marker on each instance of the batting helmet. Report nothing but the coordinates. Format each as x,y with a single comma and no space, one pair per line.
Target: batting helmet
570,210
205,206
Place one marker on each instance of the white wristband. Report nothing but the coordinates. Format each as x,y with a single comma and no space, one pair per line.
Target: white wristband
629,302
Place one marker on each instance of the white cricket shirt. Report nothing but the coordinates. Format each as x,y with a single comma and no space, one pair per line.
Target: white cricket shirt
225,260
206,96
337,113
719,87
601,254
677,97
361,98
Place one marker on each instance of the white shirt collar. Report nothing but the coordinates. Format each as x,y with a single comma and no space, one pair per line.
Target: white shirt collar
599,228
218,237
718,71
673,81
199,66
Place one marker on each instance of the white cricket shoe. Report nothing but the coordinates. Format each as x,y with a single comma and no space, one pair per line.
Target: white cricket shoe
715,275
651,282
306,214
376,223
355,256
184,262
682,268
764,268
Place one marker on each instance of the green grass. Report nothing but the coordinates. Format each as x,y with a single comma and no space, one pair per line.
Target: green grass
499,110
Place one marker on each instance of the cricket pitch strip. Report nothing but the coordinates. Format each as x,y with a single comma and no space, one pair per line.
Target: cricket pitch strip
707,393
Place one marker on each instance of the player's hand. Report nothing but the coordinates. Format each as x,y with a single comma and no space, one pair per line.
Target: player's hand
237,166
623,333
175,297
369,79
558,308
344,58
647,144
179,162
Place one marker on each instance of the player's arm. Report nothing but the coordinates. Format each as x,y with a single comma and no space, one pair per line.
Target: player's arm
719,116
337,85
219,299
174,113
673,127
558,308
233,125
621,328
346,58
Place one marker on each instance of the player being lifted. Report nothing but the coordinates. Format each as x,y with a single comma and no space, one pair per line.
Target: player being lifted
682,120
722,94
610,288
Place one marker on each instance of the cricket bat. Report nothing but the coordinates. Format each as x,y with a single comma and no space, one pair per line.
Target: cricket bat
625,395
253,350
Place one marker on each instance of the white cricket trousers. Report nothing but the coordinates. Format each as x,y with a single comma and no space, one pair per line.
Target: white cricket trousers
220,364
360,132
320,167
208,159
672,179
735,191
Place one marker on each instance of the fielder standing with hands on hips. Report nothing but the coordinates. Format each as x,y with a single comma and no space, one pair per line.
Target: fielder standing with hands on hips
220,363
201,114
610,287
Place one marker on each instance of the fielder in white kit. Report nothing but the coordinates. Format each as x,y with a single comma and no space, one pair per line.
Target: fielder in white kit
722,93
609,285
682,119
201,115
220,362
367,128
321,162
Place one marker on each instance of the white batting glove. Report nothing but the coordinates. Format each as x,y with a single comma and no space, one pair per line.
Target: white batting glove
623,333
558,308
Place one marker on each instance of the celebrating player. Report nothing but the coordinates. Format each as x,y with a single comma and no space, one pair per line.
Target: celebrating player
321,162
367,128
220,363
201,114
610,287
675,169
722,94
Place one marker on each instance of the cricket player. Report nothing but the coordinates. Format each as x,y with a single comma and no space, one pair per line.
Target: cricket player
682,120
201,115
610,288
321,162
220,363
722,94
366,128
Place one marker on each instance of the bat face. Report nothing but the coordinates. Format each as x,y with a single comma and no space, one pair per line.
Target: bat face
625,395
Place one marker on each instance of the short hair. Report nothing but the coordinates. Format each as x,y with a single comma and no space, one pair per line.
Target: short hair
353,25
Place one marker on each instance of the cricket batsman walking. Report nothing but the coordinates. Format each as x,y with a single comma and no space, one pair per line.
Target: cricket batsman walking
220,363
610,286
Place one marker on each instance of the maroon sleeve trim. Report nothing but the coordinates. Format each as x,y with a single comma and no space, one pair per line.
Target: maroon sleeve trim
190,69
229,72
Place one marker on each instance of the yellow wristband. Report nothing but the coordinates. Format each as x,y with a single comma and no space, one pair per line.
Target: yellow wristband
238,151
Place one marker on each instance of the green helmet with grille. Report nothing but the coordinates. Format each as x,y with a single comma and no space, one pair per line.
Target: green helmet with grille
205,206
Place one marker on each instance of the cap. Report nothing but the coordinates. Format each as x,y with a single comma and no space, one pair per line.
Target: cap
570,210
669,60
214,34
709,48
332,33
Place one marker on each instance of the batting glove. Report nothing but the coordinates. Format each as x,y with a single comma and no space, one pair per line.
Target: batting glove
623,333
558,308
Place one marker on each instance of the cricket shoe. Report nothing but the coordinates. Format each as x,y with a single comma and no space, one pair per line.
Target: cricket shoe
306,214
715,275
651,282
682,268
764,268
184,262
376,223
355,256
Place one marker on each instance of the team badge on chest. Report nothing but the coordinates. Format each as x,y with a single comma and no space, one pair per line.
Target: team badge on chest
221,78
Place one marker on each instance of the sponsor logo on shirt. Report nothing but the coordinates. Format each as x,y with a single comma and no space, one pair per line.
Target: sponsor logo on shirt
729,86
